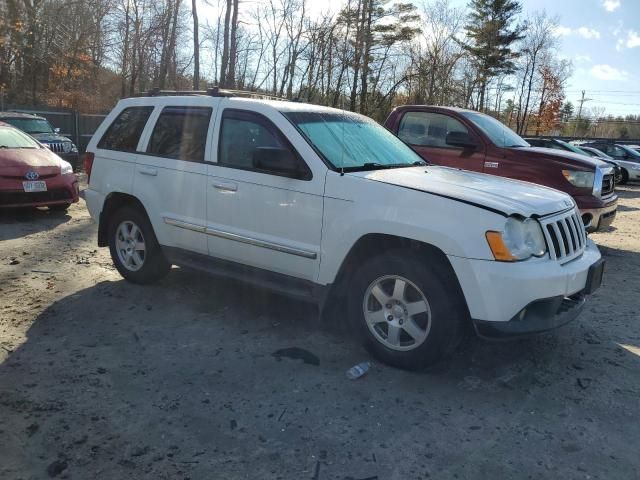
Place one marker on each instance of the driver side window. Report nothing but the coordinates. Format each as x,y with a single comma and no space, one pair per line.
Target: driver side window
428,129
243,134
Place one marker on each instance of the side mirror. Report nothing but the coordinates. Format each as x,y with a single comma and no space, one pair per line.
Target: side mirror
277,160
56,130
461,139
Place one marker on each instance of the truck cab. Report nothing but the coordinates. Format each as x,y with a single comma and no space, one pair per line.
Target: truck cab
471,140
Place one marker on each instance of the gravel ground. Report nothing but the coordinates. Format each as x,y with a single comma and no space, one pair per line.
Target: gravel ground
103,379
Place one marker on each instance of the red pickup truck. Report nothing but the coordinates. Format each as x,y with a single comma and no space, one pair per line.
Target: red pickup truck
471,140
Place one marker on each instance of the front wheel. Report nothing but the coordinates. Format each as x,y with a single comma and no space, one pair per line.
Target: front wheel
407,311
134,248
624,177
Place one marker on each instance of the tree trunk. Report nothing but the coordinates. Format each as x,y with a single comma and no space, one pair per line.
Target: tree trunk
368,40
357,59
231,76
196,46
225,46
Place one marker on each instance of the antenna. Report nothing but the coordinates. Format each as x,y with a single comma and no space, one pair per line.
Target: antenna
342,152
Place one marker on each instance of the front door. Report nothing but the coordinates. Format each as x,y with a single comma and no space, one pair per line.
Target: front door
426,132
259,217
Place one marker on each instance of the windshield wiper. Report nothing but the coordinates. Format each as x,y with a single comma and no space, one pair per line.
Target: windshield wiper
380,166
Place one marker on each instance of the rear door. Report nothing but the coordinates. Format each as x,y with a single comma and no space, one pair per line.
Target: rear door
171,175
257,217
426,132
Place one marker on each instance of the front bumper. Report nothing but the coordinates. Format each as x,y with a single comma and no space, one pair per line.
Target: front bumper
537,317
61,189
599,219
496,292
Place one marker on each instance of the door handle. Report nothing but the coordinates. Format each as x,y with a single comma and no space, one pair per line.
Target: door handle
225,186
152,172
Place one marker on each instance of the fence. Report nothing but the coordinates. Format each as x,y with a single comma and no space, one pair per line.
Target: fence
79,127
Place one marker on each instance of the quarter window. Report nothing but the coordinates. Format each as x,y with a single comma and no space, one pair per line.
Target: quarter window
428,129
124,133
181,133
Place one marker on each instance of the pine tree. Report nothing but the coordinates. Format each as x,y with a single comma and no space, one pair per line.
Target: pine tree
489,27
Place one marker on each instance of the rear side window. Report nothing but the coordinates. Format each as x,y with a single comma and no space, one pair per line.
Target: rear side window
124,133
181,133
428,129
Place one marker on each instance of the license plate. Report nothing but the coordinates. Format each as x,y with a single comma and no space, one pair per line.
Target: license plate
594,277
34,186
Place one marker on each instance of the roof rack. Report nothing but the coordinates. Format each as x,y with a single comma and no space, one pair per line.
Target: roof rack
212,92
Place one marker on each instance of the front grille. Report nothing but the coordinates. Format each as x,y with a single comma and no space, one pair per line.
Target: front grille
57,147
565,235
17,198
608,184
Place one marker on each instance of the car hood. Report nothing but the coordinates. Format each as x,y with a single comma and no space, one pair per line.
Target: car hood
49,137
16,162
568,158
506,196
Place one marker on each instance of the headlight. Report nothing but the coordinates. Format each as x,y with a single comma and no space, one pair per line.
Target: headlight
65,168
579,178
519,240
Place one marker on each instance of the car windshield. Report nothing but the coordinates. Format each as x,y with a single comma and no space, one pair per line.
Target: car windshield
498,132
571,147
30,125
353,142
12,138
632,153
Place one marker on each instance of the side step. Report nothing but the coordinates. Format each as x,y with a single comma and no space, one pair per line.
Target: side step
277,282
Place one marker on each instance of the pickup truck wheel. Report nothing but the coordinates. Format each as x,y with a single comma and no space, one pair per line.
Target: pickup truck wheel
134,248
404,311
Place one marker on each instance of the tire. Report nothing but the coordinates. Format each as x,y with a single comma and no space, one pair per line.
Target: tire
625,177
140,260
59,207
429,289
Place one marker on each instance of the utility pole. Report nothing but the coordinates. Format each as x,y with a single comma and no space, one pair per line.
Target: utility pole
582,100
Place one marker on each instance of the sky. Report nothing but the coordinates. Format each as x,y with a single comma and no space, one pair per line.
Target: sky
600,37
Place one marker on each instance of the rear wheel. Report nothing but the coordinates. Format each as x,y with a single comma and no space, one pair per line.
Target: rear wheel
625,177
134,248
406,312
59,207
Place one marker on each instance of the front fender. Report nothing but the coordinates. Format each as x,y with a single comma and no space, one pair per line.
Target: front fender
456,228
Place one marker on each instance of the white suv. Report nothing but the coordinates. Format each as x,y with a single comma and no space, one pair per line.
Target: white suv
328,205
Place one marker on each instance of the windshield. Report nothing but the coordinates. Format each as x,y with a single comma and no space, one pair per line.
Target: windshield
592,152
632,153
30,125
498,133
12,138
353,142
570,147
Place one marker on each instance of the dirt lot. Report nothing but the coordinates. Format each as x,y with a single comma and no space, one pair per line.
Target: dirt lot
103,379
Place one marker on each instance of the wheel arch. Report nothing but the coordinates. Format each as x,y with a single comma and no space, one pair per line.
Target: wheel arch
375,244
112,203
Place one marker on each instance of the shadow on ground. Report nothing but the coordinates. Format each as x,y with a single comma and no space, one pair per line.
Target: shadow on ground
179,380
20,222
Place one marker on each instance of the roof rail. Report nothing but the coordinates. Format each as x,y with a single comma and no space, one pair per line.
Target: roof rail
212,92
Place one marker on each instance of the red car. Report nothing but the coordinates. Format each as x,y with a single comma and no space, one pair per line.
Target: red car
31,175
470,140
